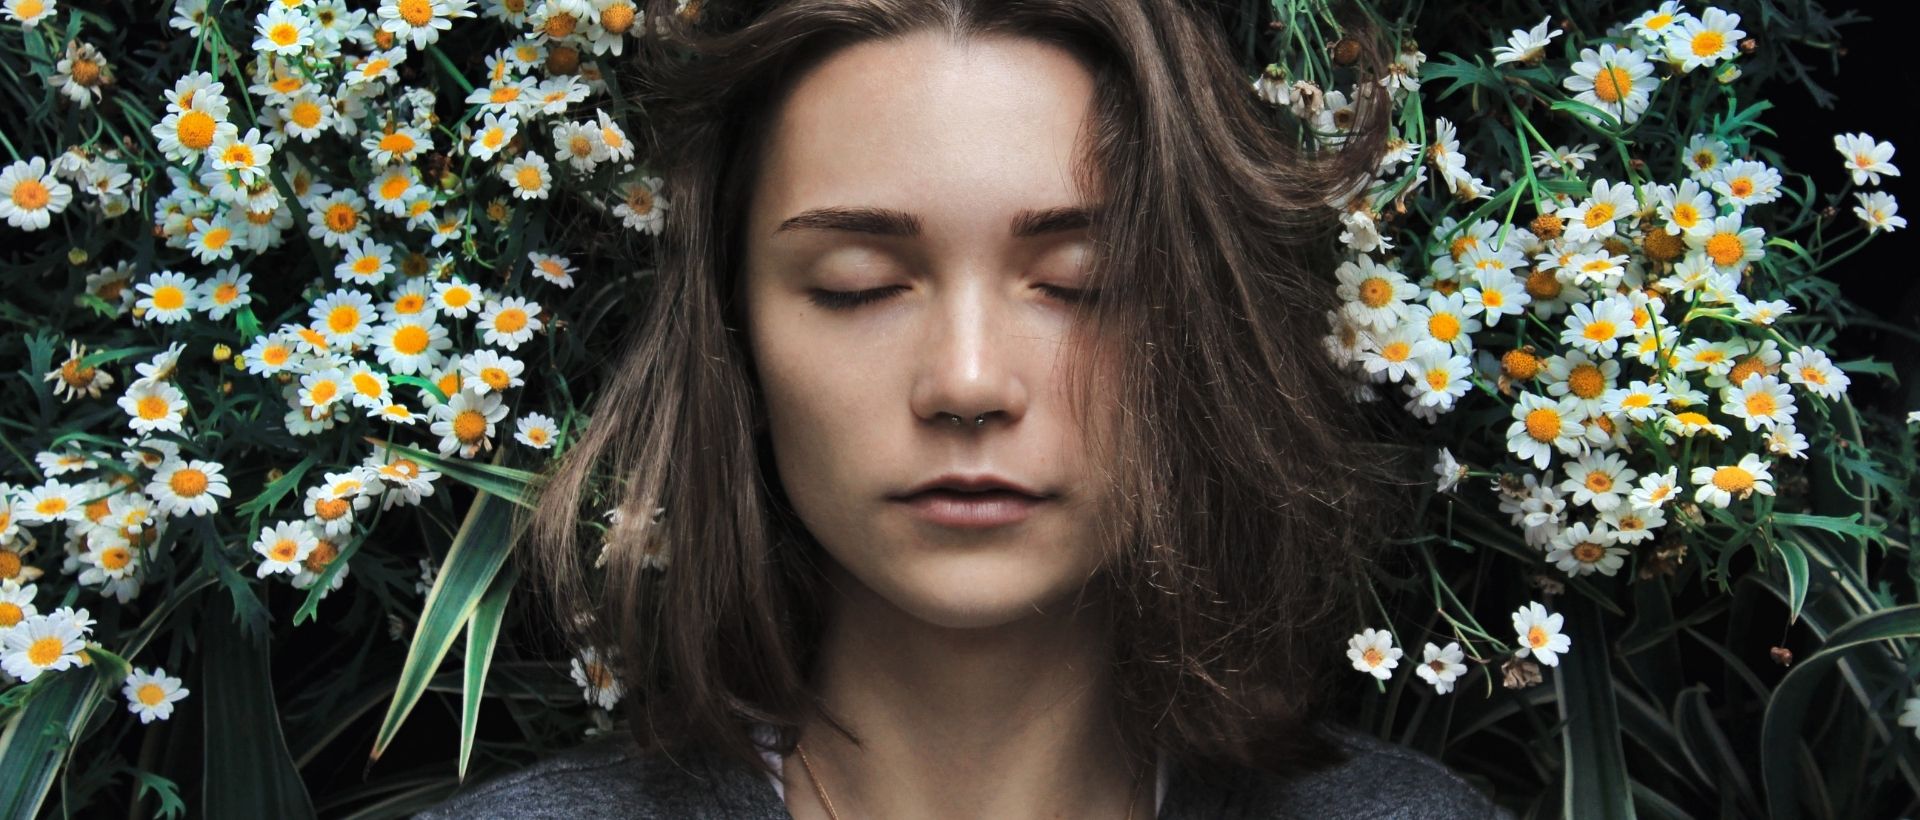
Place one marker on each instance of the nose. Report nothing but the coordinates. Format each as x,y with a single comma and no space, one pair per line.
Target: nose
968,361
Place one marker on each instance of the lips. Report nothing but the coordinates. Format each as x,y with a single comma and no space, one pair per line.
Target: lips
971,510
974,484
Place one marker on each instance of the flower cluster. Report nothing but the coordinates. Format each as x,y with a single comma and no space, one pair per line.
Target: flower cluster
1628,337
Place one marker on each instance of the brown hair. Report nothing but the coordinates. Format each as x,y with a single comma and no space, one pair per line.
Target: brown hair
1239,503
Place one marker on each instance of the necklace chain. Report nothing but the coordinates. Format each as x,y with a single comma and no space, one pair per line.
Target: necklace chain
821,790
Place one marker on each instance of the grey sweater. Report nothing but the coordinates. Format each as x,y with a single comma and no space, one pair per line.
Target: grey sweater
609,779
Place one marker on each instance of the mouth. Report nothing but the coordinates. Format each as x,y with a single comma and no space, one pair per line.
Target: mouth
971,510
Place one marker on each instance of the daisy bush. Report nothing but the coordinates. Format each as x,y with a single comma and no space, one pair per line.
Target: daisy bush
302,294
1655,519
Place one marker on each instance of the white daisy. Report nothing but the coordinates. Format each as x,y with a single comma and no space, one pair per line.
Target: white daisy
1760,400
30,195
1539,633
1618,81
528,176
1655,24
1705,40
1376,296
409,346
366,262
1441,666
487,371
509,321
493,135
188,487
466,422
1810,368
282,547
1541,425
53,501
1596,479
151,695
536,430
227,291
1597,328
1595,217
1719,486
43,643
1865,158
555,269
345,317
154,407
1729,246
596,678
641,206
1878,210
1580,550
1632,524
1440,379
1526,46
16,603
421,21
1372,651
338,218
29,13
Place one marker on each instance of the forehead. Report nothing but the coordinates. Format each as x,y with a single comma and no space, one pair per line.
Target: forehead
955,132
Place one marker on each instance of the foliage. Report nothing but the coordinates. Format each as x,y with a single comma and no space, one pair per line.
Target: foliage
307,294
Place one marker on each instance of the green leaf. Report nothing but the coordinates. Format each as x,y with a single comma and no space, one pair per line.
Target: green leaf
1595,766
249,773
171,806
479,550
1793,560
1787,709
1842,526
39,736
507,483
483,631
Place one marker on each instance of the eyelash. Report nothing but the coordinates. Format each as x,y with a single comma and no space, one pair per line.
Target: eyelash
848,300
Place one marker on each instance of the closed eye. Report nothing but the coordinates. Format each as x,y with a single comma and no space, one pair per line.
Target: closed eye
848,300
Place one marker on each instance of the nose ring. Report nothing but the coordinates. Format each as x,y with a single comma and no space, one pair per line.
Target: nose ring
977,420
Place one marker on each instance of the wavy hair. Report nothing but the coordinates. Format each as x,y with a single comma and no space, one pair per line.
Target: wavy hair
1240,500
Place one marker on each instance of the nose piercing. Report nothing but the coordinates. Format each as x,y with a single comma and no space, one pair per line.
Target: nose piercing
977,420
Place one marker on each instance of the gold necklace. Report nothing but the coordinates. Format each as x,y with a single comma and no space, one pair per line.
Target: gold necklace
820,790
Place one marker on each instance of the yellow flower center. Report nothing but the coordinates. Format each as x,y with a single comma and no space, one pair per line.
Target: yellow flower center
1519,364
194,129
151,694
394,187
616,19
341,217
1586,381
1375,292
1543,285
225,293
1659,21
559,26
1599,213
1587,552
366,384
1637,400
528,177
1747,367
450,383
329,509
537,435
409,303
1708,43
1733,479
505,94
323,392
640,200
10,614
323,554
510,320
1443,326
493,137
29,9
366,265
169,297
1725,248
1599,330
275,354
374,67
1760,404
469,426
397,143
1813,375
1536,636
1599,482
1612,84
1493,298
284,34
416,12
45,651
9,564
188,482
305,114
343,319
216,237
1543,424
55,505
1438,378
115,558
495,377
284,550
152,408
410,340
1373,656
1741,187
30,195
1396,351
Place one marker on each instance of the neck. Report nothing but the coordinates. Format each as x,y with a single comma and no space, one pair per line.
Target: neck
1012,721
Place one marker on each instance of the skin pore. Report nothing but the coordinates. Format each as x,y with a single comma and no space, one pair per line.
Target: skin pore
955,654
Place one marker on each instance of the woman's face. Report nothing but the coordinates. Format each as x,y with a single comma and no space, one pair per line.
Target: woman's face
924,172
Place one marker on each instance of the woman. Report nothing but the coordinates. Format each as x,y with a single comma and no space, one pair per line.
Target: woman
998,468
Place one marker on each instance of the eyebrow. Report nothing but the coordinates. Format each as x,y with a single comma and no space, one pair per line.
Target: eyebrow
889,222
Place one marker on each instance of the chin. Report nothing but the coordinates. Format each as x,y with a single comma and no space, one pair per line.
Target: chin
979,590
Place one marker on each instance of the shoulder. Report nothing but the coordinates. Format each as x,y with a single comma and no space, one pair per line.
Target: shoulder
1378,779
1383,779
609,778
